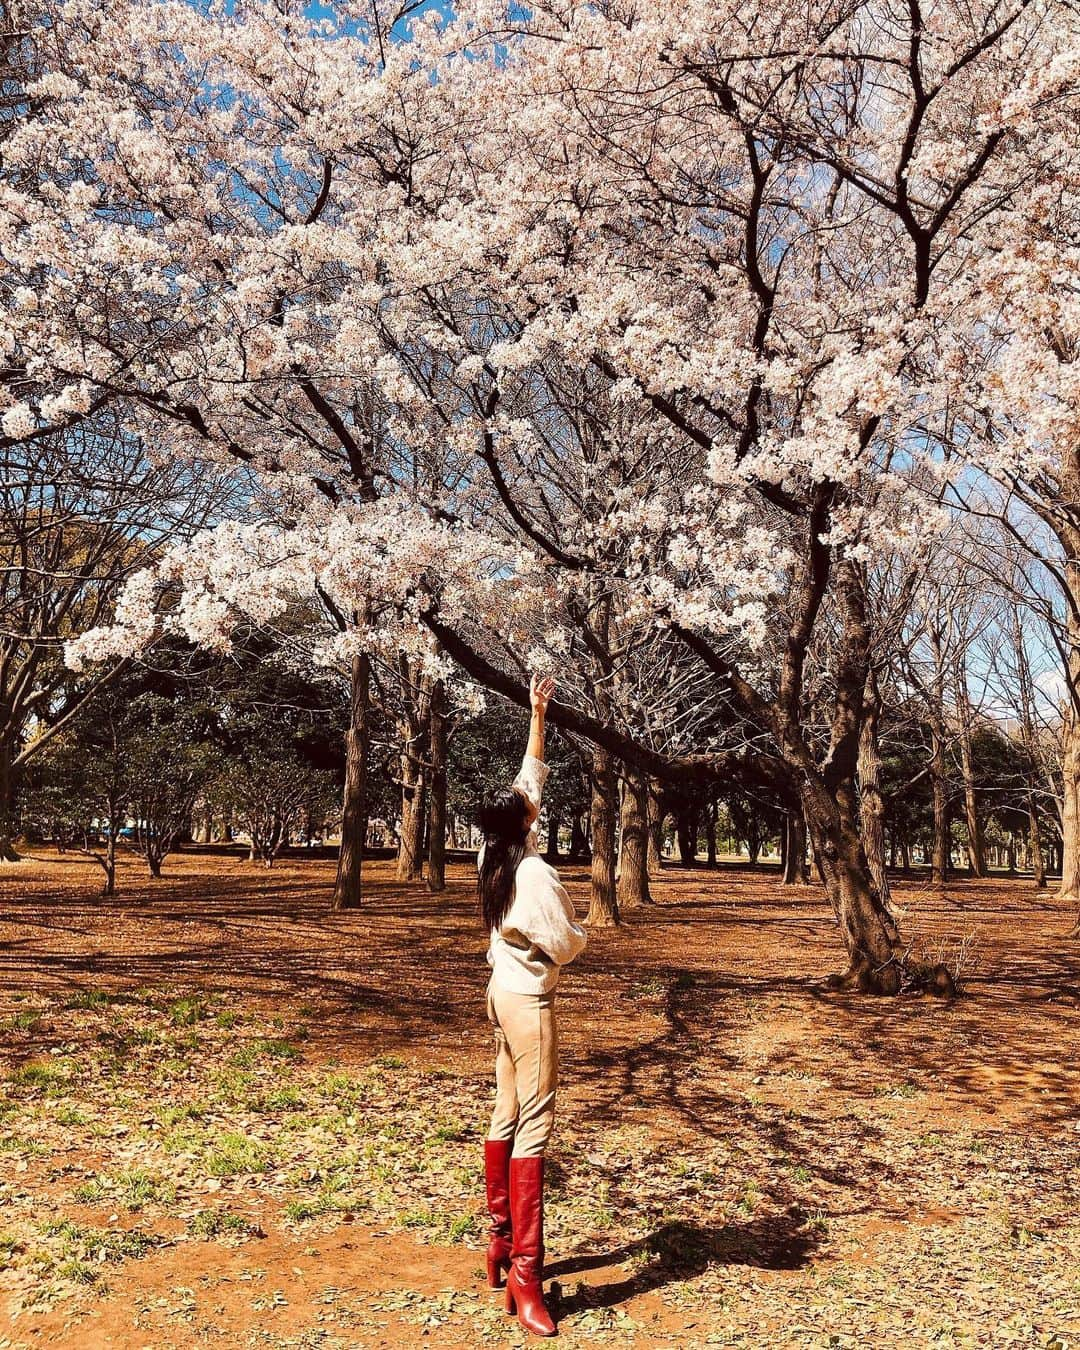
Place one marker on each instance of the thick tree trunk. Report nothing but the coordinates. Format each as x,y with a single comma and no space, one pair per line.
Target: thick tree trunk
633,888
871,800
604,903
348,882
869,933
437,804
579,844
1069,890
7,803
710,834
686,833
411,841
876,959
656,829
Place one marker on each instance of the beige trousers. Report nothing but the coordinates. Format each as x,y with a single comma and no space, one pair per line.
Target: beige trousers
526,1069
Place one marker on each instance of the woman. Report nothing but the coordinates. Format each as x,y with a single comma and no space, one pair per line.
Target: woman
533,935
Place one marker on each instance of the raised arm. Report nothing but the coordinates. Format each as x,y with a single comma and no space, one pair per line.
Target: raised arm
540,693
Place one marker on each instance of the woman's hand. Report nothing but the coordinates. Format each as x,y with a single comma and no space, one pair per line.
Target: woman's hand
541,692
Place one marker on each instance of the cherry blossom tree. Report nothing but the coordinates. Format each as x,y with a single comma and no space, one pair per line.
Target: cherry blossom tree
772,242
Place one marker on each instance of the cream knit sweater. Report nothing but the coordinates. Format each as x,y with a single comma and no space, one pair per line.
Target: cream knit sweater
539,933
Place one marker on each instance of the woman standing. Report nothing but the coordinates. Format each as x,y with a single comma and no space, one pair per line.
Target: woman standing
533,935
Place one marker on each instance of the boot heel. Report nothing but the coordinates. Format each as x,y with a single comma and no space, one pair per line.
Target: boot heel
495,1273
511,1306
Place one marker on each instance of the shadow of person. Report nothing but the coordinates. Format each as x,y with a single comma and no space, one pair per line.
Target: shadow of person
679,1251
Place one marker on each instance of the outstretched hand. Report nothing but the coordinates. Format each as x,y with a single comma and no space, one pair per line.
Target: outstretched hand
541,692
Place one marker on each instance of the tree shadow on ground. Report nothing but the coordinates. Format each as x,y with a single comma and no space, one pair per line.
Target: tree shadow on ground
680,1251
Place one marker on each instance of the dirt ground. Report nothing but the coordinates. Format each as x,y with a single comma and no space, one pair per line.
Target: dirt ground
231,1118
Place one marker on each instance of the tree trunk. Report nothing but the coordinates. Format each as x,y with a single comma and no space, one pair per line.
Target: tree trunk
869,933
604,904
871,801
796,870
110,864
348,882
976,847
939,857
876,960
411,840
1038,864
578,843
633,888
1069,890
686,832
7,803
551,852
656,830
753,840
437,804
710,834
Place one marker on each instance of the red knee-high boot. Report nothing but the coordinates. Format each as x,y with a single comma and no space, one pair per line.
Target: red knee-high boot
497,1178
524,1288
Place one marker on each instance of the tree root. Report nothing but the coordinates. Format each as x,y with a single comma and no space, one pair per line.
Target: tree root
900,975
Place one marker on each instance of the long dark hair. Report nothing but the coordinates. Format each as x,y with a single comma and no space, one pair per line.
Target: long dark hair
504,821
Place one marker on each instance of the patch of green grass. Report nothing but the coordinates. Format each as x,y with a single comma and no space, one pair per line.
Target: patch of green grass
173,1067
69,1115
215,1223
89,999
227,1020
185,1012
443,1226
300,1211
450,1133
26,1019
750,1196
50,1078
100,1245
174,1115
236,1155
284,1099
234,1085
137,1188
79,1271
801,1173
187,1137
390,1062
265,1047
25,1148
90,1192
343,1088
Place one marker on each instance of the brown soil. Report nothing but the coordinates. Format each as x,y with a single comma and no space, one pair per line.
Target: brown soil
850,1133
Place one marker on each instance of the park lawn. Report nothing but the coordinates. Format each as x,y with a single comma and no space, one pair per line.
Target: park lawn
229,1117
